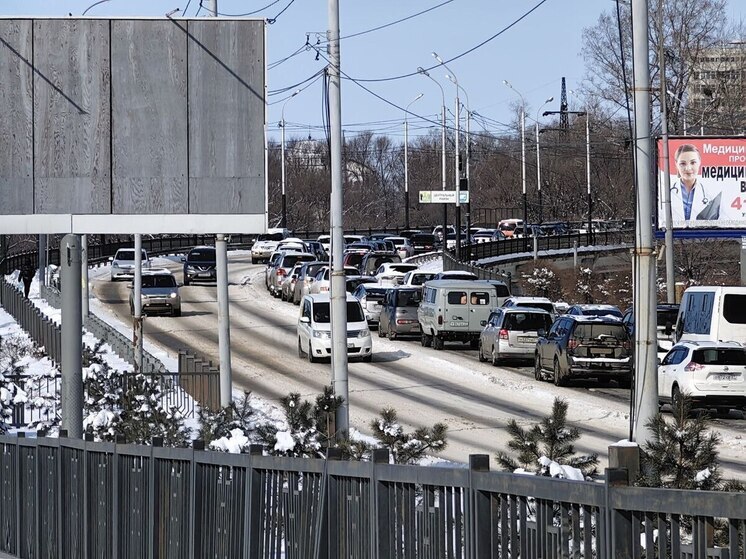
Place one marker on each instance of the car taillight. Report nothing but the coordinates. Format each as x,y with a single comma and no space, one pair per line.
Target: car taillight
405,321
692,366
503,334
627,345
440,319
281,272
572,343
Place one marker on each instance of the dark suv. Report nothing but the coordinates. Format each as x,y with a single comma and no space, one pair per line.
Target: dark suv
584,347
199,265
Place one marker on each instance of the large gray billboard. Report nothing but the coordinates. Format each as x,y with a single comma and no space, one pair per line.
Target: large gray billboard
132,126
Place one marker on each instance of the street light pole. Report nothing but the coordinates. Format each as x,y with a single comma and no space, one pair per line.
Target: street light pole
422,71
588,172
538,160
453,79
282,126
523,159
457,159
406,163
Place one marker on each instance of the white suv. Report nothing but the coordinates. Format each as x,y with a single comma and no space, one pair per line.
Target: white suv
712,373
315,332
123,263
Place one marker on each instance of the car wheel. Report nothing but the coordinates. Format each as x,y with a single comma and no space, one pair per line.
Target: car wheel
538,375
391,335
438,343
311,358
482,358
300,350
426,340
381,333
495,356
675,398
558,378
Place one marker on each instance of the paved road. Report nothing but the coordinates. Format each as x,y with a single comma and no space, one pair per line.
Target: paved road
475,400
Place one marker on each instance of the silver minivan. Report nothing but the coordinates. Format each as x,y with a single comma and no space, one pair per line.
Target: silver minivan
511,333
399,313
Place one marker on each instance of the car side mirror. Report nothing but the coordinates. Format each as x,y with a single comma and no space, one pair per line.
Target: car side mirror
183,259
111,259
305,320
483,322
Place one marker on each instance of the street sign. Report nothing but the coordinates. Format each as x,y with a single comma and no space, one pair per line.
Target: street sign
443,196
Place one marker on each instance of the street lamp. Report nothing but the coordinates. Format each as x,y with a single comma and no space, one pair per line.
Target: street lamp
457,169
468,158
422,71
282,125
538,159
523,158
406,159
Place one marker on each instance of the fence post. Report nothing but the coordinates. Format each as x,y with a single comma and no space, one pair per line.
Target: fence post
381,503
479,509
329,546
619,538
252,523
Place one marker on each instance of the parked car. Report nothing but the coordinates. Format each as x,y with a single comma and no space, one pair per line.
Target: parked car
584,347
123,263
416,278
360,248
306,276
512,333
264,246
392,273
712,373
423,242
350,239
200,265
354,259
595,310
322,283
438,231
293,244
352,282
317,249
371,299
326,242
282,267
508,226
314,329
402,246
373,260
399,313
709,313
666,319
159,292
537,302
488,236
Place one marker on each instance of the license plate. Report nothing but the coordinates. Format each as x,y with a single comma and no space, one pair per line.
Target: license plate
526,340
458,324
726,377
603,351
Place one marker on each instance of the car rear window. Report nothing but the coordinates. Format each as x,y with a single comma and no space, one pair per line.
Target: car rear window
719,356
354,312
291,260
422,239
375,294
667,316
202,256
128,255
354,258
549,307
159,281
599,331
408,298
527,321
734,308
270,237
502,290
603,312
419,279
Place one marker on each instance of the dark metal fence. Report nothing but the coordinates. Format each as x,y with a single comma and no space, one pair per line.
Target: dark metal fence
71,499
200,378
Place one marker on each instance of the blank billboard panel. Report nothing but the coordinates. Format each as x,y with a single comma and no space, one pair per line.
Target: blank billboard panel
132,126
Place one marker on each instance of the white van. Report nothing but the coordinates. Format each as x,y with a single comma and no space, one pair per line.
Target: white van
455,310
712,313
315,329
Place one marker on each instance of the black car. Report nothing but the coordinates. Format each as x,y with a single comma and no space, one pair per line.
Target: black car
199,265
584,347
422,242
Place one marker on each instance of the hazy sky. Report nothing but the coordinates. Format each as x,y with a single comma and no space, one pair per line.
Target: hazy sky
535,44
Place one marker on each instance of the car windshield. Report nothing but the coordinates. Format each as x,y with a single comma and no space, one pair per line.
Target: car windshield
159,281
600,331
290,260
419,279
527,321
128,255
202,256
719,356
354,312
401,267
408,298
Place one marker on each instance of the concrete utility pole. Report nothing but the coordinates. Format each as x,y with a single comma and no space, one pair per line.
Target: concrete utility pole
224,322
42,260
406,161
338,292
282,125
137,305
212,7
84,276
670,276
72,337
523,162
646,374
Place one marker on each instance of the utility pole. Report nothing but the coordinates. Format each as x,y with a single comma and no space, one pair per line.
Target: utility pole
212,7
406,161
338,292
137,319
72,337
646,374
224,323
282,126
670,276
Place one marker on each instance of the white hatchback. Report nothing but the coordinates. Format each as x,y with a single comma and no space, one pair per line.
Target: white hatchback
315,332
713,374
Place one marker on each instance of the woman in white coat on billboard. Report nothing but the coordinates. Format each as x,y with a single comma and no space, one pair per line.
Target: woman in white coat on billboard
690,198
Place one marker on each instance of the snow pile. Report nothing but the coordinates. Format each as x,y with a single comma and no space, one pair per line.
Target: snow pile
559,470
235,443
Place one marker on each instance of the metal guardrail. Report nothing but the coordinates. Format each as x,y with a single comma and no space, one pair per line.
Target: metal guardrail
73,498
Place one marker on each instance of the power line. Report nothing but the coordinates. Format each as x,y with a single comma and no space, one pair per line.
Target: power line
274,19
250,13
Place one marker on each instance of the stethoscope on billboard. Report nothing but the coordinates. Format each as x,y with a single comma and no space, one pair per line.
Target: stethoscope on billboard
705,199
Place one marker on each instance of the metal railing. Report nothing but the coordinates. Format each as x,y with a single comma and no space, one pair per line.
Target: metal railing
200,378
73,498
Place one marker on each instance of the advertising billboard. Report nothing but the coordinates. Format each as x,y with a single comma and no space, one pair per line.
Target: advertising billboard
708,182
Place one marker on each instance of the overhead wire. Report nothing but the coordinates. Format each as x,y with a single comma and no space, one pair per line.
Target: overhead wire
251,13
272,20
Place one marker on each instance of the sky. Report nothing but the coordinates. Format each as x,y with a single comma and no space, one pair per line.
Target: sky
532,44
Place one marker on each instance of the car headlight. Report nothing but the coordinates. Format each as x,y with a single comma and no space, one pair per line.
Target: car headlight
173,295
363,333
322,334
